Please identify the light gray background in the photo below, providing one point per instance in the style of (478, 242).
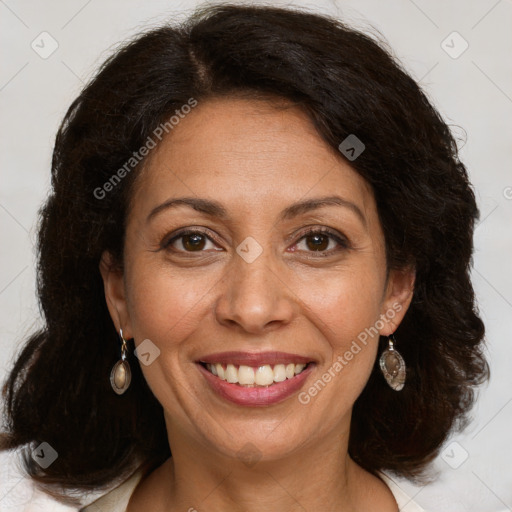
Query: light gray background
(473, 92)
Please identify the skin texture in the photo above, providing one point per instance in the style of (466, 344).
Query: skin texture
(256, 159)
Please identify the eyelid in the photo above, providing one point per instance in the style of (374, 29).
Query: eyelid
(168, 240)
(340, 239)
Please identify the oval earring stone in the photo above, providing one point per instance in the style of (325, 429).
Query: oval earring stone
(392, 365)
(120, 377)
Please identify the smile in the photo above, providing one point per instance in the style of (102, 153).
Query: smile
(248, 376)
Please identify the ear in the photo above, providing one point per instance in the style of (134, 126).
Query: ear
(113, 282)
(397, 298)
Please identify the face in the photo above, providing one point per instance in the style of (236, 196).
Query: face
(251, 243)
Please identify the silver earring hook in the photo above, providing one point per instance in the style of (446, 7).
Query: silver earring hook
(124, 347)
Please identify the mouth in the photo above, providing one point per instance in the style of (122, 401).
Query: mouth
(255, 379)
(261, 376)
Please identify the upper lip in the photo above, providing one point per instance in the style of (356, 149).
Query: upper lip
(254, 358)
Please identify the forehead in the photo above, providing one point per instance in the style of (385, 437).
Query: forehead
(267, 153)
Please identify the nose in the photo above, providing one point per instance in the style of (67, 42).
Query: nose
(254, 297)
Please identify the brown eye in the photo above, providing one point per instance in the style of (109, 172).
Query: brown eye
(189, 241)
(322, 241)
(317, 242)
(193, 242)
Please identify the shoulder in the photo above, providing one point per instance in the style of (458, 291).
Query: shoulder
(404, 501)
(117, 499)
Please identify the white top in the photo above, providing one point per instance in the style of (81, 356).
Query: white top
(117, 499)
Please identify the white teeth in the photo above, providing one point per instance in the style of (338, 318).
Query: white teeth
(299, 368)
(220, 370)
(279, 373)
(231, 374)
(264, 375)
(245, 375)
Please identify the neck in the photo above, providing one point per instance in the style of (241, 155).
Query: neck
(304, 481)
(320, 476)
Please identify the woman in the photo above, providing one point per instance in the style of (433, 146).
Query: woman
(254, 271)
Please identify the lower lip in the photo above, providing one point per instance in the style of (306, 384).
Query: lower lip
(256, 396)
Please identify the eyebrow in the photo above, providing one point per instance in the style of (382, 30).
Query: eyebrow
(215, 209)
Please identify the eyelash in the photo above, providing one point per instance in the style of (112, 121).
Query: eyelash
(341, 241)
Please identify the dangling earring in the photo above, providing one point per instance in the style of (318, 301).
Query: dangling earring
(121, 375)
(392, 365)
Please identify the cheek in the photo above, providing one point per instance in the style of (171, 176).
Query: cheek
(166, 307)
(339, 382)
(345, 306)
(343, 303)
(163, 302)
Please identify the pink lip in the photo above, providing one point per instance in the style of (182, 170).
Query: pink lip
(254, 359)
(256, 396)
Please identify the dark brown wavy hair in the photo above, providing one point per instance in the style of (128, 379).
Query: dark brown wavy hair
(58, 390)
